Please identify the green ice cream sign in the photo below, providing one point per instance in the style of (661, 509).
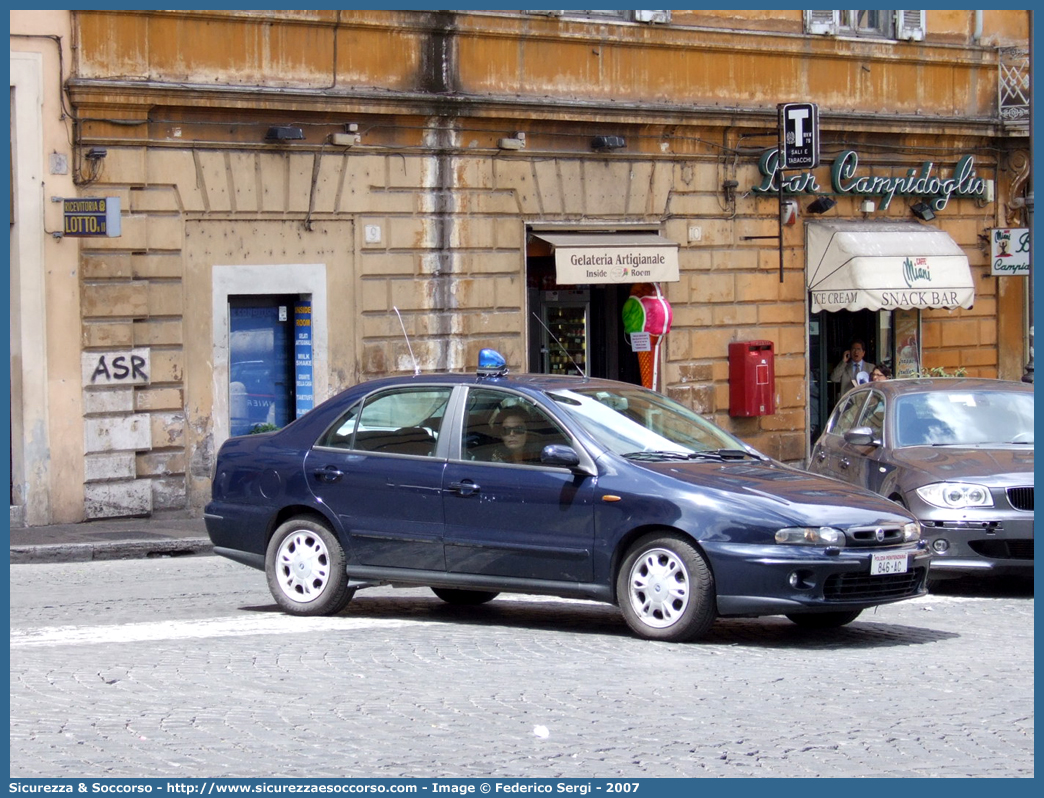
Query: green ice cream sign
(845, 180)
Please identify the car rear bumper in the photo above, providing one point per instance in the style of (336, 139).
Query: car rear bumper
(776, 580)
(234, 528)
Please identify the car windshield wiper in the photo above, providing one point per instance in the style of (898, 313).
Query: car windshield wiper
(704, 454)
(736, 454)
(655, 455)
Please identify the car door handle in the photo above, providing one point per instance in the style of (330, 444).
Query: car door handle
(464, 488)
(845, 462)
(328, 474)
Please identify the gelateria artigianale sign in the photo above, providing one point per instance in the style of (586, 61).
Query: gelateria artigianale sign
(845, 180)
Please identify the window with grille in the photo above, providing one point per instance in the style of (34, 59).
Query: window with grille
(612, 14)
(868, 23)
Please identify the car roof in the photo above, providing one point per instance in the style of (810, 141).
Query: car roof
(537, 382)
(900, 387)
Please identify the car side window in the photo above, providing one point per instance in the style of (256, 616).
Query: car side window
(398, 421)
(501, 427)
(339, 434)
(845, 416)
(872, 415)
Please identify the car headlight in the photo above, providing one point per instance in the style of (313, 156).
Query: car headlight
(956, 495)
(811, 536)
(911, 532)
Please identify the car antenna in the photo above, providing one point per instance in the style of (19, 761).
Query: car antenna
(416, 368)
(560, 346)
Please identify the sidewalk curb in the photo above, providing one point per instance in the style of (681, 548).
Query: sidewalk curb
(125, 550)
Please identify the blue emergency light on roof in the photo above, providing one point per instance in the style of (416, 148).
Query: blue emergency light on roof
(491, 363)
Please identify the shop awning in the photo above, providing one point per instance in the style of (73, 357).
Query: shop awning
(592, 258)
(885, 266)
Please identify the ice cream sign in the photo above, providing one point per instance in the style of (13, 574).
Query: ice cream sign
(1010, 251)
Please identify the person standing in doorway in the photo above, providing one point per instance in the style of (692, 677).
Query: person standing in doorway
(853, 369)
(880, 374)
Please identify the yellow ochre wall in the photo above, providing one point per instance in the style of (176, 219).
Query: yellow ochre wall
(181, 100)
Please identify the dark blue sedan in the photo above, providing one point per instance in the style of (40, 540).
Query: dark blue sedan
(478, 484)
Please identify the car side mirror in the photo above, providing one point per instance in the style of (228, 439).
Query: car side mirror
(861, 436)
(558, 455)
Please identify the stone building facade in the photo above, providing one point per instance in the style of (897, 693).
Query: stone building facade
(362, 173)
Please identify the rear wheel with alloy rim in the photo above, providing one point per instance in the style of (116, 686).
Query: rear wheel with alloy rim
(453, 595)
(305, 565)
(665, 589)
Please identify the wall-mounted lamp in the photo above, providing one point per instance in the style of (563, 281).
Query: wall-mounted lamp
(516, 143)
(821, 205)
(349, 138)
(604, 143)
(922, 210)
(284, 133)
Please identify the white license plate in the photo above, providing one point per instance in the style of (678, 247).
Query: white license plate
(893, 563)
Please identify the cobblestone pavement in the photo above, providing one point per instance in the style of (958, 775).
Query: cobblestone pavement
(183, 668)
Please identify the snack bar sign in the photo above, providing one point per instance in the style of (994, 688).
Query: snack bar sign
(89, 217)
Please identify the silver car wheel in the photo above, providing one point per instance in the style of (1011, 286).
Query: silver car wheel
(658, 588)
(303, 566)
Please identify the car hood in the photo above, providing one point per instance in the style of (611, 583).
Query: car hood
(796, 497)
(1002, 466)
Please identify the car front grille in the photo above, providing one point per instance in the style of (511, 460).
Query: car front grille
(1021, 499)
(874, 536)
(860, 587)
(1003, 549)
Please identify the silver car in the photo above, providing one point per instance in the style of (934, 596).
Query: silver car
(956, 452)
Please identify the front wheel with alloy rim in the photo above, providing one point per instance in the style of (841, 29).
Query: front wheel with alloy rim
(665, 589)
(305, 565)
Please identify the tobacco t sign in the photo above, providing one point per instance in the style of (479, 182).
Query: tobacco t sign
(799, 135)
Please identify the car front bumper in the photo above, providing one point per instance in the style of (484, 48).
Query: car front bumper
(777, 579)
(987, 541)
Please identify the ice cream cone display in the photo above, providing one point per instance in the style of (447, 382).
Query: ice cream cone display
(647, 364)
(647, 314)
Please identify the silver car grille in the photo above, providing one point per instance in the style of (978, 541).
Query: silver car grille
(1021, 498)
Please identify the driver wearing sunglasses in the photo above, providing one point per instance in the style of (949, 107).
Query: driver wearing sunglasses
(513, 429)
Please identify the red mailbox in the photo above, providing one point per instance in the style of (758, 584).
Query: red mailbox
(752, 378)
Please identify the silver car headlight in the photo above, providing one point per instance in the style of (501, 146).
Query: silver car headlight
(911, 532)
(956, 495)
(811, 536)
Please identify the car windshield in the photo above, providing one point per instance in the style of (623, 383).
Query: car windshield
(638, 423)
(964, 418)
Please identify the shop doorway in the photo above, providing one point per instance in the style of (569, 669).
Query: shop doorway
(830, 334)
(577, 329)
(262, 385)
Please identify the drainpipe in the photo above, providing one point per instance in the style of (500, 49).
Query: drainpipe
(977, 33)
(1028, 376)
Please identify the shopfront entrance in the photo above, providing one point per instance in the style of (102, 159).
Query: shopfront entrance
(270, 361)
(869, 282)
(577, 284)
(576, 329)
